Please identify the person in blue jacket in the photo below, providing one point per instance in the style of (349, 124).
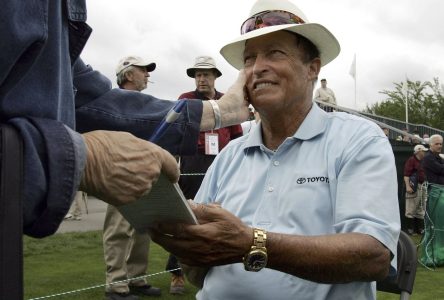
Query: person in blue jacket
(45, 89)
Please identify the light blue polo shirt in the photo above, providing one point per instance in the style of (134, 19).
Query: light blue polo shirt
(336, 174)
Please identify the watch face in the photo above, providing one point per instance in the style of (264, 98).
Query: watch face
(256, 260)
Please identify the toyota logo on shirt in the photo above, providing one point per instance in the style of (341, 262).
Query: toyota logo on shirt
(314, 179)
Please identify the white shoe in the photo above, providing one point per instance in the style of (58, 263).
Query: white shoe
(69, 217)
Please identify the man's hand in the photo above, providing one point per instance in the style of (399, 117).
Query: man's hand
(233, 106)
(221, 238)
(121, 167)
(409, 189)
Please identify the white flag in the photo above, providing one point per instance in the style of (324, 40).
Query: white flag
(352, 71)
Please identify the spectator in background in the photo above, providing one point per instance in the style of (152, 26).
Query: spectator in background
(210, 143)
(126, 250)
(386, 131)
(426, 138)
(416, 193)
(326, 95)
(416, 139)
(433, 163)
(405, 136)
(75, 212)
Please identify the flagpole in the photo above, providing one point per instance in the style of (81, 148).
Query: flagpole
(407, 109)
(352, 72)
(405, 90)
(356, 108)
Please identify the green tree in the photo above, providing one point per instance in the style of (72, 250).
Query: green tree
(425, 103)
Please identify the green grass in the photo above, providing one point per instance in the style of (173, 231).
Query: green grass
(72, 261)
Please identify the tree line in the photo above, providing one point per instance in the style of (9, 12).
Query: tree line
(425, 103)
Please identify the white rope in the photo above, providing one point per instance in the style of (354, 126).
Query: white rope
(193, 174)
(103, 285)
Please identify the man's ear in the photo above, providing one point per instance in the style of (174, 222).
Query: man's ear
(314, 68)
(129, 76)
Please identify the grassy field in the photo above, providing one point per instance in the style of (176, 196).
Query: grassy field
(74, 262)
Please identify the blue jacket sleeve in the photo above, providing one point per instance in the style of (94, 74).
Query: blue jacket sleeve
(54, 158)
(98, 106)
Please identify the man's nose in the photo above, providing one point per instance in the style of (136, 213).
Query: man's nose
(260, 64)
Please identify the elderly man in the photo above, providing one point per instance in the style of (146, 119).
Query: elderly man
(433, 163)
(126, 250)
(305, 206)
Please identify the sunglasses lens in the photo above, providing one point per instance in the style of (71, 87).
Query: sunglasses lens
(249, 25)
(269, 18)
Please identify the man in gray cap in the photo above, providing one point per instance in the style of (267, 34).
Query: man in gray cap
(125, 249)
(133, 73)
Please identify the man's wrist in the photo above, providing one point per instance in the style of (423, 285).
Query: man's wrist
(217, 114)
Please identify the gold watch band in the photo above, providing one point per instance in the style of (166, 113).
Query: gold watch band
(260, 238)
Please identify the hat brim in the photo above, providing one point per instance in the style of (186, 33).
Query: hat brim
(192, 71)
(149, 66)
(323, 39)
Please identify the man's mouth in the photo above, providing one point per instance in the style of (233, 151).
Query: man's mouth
(262, 85)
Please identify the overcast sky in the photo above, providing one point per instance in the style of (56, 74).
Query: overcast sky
(392, 40)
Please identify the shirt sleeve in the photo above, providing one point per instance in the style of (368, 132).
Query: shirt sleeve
(368, 166)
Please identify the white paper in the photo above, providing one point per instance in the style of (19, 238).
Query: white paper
(165, 203)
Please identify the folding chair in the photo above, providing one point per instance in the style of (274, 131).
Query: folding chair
(402, 282)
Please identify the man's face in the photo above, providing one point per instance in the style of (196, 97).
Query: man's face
(277, 78)
(436, 145)
(324, 83)
(420, 154)
(139, 77)
(205, 80)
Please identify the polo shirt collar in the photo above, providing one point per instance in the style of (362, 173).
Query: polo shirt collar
(314, 124)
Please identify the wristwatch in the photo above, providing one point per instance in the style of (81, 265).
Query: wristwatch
(256, 259)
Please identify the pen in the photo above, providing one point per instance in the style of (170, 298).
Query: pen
(171, 116)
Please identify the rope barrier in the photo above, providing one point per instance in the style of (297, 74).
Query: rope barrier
(117, 282)
(102, 285)
(193, 174)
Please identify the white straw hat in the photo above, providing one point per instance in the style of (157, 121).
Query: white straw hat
(323, 39)
(203, 62)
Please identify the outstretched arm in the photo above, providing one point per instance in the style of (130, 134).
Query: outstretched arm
(222, 239)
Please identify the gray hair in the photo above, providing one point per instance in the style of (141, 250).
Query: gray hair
(434, 137)
(121, 77)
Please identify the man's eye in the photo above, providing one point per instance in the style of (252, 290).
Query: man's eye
(276, 52)
(248, 60)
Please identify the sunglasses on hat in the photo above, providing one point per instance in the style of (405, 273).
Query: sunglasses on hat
(269, 18)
